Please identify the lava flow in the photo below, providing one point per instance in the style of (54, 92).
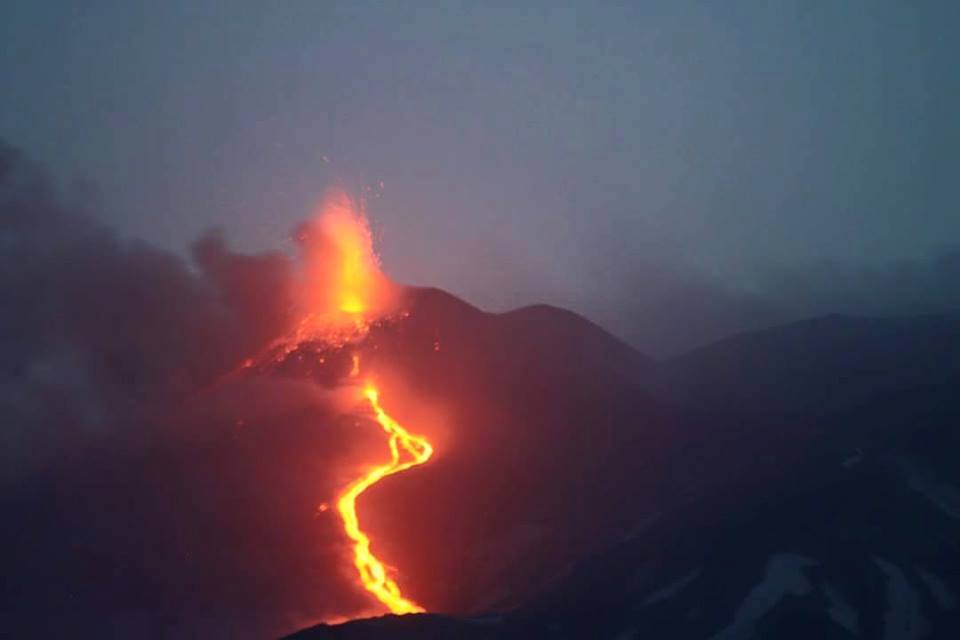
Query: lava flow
(344, 291)
(372, 572)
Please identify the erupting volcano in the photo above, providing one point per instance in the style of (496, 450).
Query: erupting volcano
(556, 481)
(344, 291)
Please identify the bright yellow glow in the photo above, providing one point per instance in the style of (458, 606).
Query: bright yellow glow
(343, 289)
(406, 450)
(344, 292)
(343, 268)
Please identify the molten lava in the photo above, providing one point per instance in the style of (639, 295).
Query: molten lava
(344, 290)
(373, 574)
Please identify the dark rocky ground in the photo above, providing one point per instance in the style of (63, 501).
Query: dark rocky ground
(805, 485)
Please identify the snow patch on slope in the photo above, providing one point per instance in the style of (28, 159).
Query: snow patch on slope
(671, 589)
(945, 598)
(840, 610)
(903, 619)
(944, 496)
(784, 577)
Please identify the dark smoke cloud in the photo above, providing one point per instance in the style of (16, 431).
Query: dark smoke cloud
(95, 328)
(142, 495)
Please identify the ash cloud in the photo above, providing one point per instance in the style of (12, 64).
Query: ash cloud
(143, 496)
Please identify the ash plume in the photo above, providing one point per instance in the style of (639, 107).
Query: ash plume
(146, 496)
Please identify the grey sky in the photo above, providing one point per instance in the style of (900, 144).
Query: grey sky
(558, 153)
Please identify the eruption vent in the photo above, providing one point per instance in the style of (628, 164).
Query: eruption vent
(343, 289)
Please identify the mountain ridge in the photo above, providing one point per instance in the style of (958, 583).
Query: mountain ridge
(773, 518)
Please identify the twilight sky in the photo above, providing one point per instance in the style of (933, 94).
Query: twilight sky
(676, 171)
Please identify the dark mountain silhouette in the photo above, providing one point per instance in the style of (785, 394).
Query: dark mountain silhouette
(795, 482)
(819, 364)
(203, 515)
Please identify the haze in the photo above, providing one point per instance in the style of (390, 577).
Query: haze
(676, 171)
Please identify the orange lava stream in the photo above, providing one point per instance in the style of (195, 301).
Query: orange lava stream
(418, 450)
(343, 291)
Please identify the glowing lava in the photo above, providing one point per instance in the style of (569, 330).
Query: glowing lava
(343, 286)
(406, 450)
(344, 291)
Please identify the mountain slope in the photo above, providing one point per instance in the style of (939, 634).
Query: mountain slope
(211, 528)
(823, 363)
(522, 409)
(805, 485)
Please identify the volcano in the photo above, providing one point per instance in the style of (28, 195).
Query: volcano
(793, 482)
(262, 444)
(284, 441)
(482, 392)
(515, 493)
